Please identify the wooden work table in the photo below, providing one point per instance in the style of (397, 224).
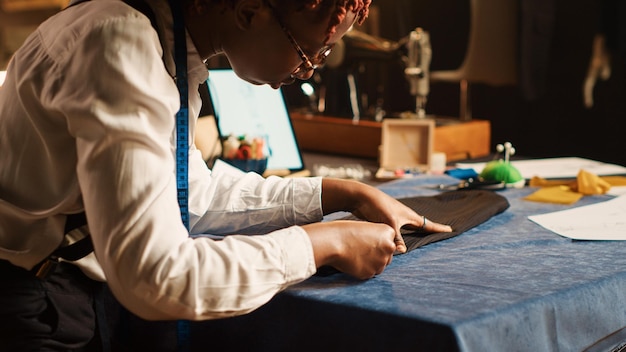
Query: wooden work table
(457, 139)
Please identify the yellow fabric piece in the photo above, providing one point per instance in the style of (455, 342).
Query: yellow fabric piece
(615, 180)
(555, 194)
(537, 181)
(589, 184)
(570, 191)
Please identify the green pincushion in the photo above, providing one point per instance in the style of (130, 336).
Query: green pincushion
(499, 170)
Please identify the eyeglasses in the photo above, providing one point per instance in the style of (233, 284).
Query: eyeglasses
(308, 63)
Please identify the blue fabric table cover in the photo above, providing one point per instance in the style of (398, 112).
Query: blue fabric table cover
(506, 285)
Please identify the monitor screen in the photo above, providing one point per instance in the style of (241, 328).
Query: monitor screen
(241, 108)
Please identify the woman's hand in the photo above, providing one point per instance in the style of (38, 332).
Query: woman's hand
(371, 204)
(358, 248)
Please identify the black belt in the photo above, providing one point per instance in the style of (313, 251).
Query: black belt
(72, 252)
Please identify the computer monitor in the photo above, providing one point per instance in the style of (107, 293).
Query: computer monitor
(241, 108)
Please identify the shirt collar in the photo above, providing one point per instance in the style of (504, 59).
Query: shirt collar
(197, 71)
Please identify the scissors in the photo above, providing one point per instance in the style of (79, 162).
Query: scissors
(473, 183)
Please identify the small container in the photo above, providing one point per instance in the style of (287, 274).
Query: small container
(438, 163)
(249, 165)
(406, 147)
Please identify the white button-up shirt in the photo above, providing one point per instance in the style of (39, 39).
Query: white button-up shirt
(87, 122)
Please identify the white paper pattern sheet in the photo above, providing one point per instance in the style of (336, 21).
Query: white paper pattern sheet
(556, 167)
(601, 221)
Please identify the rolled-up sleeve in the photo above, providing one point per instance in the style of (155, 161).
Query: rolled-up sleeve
(250, 204)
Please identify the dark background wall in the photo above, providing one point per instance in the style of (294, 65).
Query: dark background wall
(556, 123)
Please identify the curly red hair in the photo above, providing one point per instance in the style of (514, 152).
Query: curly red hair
(337, 8)
(361, 7)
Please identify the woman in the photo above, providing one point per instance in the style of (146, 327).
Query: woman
(87, 124)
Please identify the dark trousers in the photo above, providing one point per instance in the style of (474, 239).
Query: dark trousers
(70, 312)
(55, 314)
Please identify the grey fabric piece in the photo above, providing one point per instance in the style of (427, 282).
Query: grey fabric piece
(462, 210)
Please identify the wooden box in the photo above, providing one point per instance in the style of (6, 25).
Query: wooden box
(459, 140)
(406, 147)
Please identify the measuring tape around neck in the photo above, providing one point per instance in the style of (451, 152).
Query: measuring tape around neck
(182, 142)
(182, 116)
